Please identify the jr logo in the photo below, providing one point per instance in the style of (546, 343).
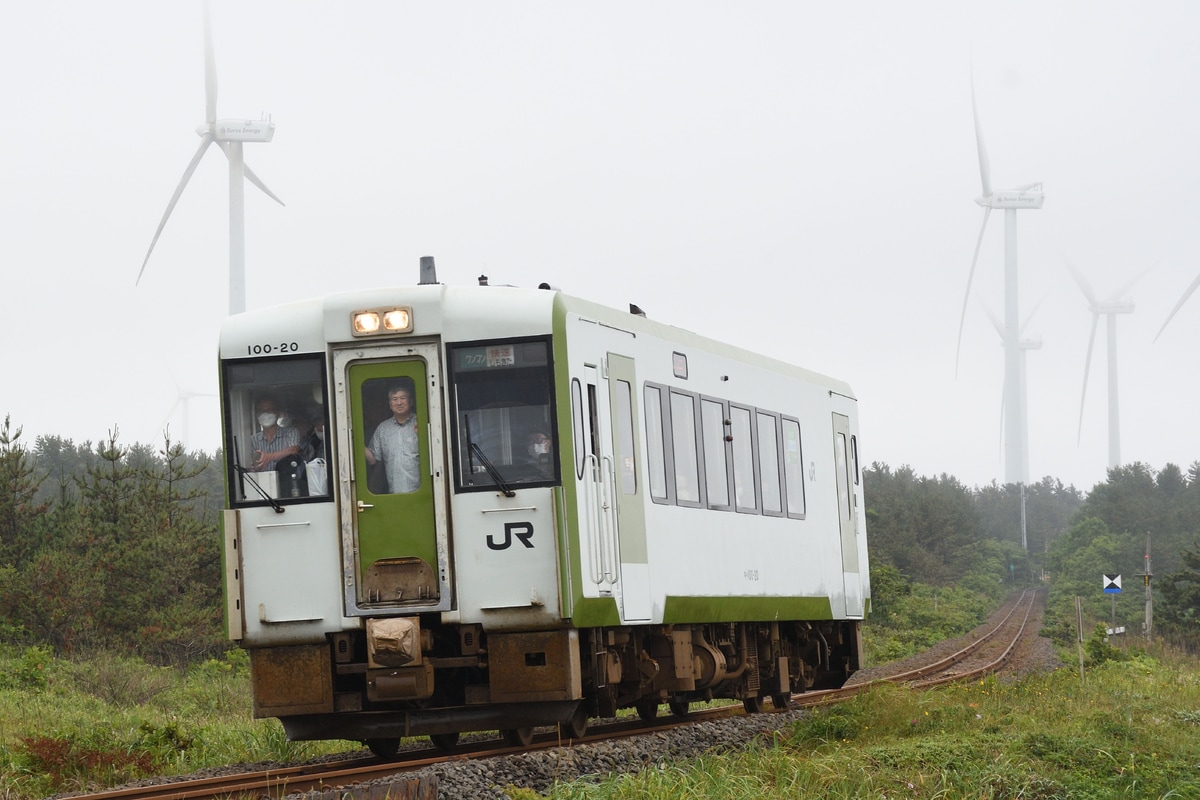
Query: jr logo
(522, 530)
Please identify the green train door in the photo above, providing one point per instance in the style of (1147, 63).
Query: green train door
(397, 558)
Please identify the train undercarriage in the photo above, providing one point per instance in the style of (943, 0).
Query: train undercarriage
(411, 676)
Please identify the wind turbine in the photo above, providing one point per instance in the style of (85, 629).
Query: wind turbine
(1110, 308)
(229, 135)
(1030, 196)
(182, 404)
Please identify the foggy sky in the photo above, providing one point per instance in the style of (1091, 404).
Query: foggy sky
(796, 178)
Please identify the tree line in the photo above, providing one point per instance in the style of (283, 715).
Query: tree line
(110, 547)
(116, 547)
(936, 530)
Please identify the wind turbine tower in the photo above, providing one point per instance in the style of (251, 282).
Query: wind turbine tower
(229, 135)
(1110, 308)
(1025, 345)
(1030, 196)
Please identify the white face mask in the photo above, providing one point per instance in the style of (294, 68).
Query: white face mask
(267, 419)
(320, 432)
(539, 449)
(285, 422)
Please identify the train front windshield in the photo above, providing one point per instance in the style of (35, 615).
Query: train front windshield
(503, 414)
(275, 429)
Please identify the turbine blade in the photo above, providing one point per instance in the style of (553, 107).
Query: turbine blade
(205, 141)
(1087, 367)
(210, 70)
(1032, 311)
(1178, 306)
(250, 176)
(1081, 281)
(162, 426)
(962, 318)
(985, 165)
(1129, 285)
(996, 323)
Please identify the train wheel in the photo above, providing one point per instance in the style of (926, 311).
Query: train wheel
(444, 741)
(753, 705)
(384, 748)
(647, 710)
(679, 707)
(518, 737)
(781, 701)
(576, 727)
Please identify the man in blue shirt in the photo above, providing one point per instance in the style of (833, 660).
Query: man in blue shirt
(396, 444)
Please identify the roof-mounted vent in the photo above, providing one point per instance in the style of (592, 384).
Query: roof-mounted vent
(428, 271)
(634, 309)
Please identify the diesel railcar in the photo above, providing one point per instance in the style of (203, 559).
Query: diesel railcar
(467, 508)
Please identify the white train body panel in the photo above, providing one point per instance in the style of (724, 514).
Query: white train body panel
(698, 496)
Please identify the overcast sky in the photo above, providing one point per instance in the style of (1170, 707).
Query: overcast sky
(793, 177)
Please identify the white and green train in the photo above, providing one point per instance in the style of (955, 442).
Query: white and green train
(575, 510)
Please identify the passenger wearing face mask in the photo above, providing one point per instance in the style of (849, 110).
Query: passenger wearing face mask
(272, 441)
(538, 449)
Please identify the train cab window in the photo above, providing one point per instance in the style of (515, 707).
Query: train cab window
(741, 428)
(768, 464)
(276, 424)
(793, 468)
(504, 414)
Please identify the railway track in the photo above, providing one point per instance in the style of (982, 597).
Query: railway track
(987, 652)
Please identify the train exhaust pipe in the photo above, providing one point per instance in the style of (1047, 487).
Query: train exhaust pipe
(428, 271)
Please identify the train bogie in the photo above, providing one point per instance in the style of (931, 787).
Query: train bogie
(497, 509)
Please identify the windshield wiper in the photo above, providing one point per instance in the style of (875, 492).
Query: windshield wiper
(474, 451)
(246, 474)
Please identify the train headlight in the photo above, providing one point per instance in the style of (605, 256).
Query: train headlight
(366, 322)
(398, 320)
(382, 320)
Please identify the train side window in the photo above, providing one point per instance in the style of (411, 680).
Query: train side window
(843, 483)
(716, 453)
(768, 464)
(627, 468)
(656, 464)
(683, 447)
(854, 457)
(577, 427)
(741, 425)
(793, 468)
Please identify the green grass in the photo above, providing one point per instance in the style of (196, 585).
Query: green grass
(68, 726)
(1132, 730)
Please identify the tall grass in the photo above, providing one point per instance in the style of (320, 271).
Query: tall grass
(1132, 729)
(74, 725)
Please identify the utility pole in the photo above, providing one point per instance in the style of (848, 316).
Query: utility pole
(1024, 536)
(1148, 625)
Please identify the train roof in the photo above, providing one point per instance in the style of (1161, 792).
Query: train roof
(470, 312)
